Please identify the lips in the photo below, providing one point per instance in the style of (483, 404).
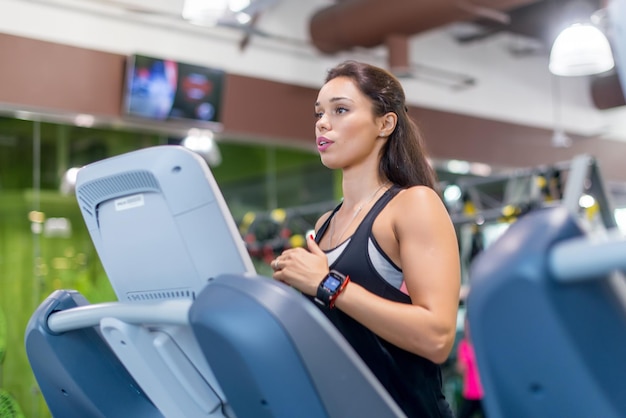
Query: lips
(323, 143)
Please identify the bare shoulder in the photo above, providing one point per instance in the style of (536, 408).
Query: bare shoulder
(418, 207)
(414, 220)
(417, 198)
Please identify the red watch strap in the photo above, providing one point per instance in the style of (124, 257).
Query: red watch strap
(333, 298)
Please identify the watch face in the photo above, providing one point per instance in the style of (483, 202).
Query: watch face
(331, 283)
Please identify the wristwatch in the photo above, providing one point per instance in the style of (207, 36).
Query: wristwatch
(330, 288)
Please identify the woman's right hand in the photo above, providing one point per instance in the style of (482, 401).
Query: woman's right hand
(302, 268)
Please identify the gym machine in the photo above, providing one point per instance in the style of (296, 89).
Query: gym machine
(195, 331)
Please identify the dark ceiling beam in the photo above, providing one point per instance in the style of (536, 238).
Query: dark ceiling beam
(368, 23)
(606, 91)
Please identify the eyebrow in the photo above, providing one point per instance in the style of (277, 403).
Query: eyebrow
(336, 99)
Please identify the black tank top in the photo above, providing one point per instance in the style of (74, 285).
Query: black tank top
(414, 382)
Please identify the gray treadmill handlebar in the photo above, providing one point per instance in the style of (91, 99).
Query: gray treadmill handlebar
(170, 312)
(587, 258)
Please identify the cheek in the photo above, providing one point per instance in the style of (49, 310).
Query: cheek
(363, 132)
(353, 128)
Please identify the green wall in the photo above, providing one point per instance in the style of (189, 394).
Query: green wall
(35, 261)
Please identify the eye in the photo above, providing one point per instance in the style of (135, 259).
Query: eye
(318, 115)
(340, 110)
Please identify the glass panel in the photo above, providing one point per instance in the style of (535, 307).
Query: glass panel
(44, 244)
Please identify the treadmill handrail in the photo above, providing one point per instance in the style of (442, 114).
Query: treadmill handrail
(169, 312)
(588, 258)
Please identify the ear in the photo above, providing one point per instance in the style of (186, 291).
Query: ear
(387, 123)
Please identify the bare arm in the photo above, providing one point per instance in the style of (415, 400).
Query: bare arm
(428, 251)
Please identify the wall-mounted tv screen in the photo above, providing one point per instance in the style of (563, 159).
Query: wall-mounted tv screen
(163, 89)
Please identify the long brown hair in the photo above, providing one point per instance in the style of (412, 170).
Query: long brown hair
(403, 159)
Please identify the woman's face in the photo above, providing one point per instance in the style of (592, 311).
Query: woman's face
(346, 130)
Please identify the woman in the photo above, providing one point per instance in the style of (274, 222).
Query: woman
(391, 235)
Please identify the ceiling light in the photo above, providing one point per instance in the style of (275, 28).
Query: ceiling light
(458, 167)
(68, 182)
(480, 169)
(452, 193)
(238, 5)
(84, 120)
(215, 12)
(204, 12)
(202, 142)
(581, 49)
(560, 139)
(586, 201)
(243, 18)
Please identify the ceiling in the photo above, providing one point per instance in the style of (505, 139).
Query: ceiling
(368, 23)
(346, 25)
(485, 58)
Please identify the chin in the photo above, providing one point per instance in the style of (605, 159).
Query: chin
(328, 163)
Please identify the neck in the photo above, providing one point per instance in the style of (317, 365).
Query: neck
(359, 191)
(356, 199)
(360, 180)
(355, 210)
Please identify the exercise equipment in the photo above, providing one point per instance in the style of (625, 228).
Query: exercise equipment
(492, 204)
(506, 197)
(195, 331)
(548, 303)
(547, 307)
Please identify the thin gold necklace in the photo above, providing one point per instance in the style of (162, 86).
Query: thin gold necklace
(356, 213)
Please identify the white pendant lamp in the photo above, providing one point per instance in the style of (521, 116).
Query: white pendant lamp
(581, 49)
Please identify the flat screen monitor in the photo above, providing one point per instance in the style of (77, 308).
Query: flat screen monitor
(159, 223)
(163, 89)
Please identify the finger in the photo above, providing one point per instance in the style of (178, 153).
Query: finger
(313, 247)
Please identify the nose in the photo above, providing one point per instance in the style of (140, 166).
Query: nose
(322, 124)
